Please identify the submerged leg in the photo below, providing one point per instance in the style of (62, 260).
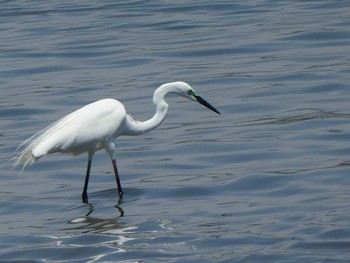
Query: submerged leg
(116, 174)
(87, 176)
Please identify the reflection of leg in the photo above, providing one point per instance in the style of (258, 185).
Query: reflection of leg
(91, 209)
(120, 201)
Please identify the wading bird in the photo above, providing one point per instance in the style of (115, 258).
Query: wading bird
(96, 126)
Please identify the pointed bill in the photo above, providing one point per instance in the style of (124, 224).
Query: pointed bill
(206, 104)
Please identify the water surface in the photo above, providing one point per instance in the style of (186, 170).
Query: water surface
(267, 181)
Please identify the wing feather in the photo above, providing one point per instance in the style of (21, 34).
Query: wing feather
(80, 131)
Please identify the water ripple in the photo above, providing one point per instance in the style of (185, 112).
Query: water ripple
(267, 181)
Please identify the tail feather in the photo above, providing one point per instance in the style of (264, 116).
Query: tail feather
(24, 153)
(27, 152)
(24, 157)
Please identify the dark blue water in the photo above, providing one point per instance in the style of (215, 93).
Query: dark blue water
(267, 181)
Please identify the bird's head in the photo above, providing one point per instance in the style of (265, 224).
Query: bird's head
(185, 90)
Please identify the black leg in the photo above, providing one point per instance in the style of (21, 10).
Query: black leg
(84, 195)
(120, 190)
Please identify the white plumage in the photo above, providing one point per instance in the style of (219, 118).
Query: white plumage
(84, 130)
(96, 126)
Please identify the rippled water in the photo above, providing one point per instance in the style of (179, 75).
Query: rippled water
(267, 181)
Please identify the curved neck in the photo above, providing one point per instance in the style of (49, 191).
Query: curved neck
(134, 127)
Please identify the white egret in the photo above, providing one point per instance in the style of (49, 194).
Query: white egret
(96, 126)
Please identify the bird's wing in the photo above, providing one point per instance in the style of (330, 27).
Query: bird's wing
(77, 132)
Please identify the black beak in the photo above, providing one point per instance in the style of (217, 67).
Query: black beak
(206, 104)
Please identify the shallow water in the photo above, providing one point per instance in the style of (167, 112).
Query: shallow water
(267, 181)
